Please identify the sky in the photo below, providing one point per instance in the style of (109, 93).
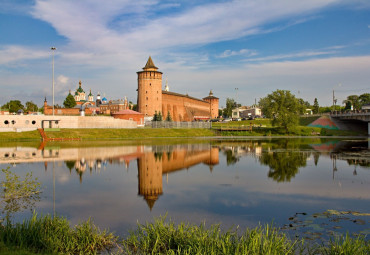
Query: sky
(241, 49)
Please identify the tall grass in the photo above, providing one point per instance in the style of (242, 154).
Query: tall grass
(54, 235)
(48, 235)
(163, 237)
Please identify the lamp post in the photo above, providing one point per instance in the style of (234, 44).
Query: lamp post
(236, 102)
(53, 50)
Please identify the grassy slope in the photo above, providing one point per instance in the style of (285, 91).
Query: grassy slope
(261, 127)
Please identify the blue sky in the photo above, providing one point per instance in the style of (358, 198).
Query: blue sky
(257, 46)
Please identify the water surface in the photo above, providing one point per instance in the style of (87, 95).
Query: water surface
(240, 182)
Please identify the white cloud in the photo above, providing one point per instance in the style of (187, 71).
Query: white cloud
(87, 23)
(243, 52)
(303, 54)
(13, 53)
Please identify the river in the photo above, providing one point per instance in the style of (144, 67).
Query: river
(314, 188)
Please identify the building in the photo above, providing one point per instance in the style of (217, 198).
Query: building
(246, 112)
(130, 115)
(113, 106)
(151, 99)
(80, 96)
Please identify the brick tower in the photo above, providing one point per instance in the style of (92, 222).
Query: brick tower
(149, 91)
(213, 104)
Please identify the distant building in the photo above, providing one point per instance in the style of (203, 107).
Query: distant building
(80, 96)
(246, 112)
(114, 106)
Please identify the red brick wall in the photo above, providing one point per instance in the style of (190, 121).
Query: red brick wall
(183, 108)
(139, 118)
(65, 111)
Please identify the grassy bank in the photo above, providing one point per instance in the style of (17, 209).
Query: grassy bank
(47, 235)
(260, 127)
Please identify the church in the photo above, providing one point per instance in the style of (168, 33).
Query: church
(151, 99)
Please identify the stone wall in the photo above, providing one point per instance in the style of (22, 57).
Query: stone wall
(18, 123)
(182, 107)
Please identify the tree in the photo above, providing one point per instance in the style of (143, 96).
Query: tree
(69, 102)
(157, 116)
(364, 99)
(283, 108)
(168, 118)
(352, 103)
(230, 105)
(160, 116)
(31, 107)
(316, 107)
(13, 106)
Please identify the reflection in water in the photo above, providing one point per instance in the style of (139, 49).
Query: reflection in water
(152, 165)
(91, 180)
(284, 165)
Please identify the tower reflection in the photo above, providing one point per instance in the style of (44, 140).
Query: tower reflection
(152, 165)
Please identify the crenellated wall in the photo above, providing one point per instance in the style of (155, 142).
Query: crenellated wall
(183, 108)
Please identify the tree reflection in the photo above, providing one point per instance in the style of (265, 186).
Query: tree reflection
(284, 165)
(231, 158)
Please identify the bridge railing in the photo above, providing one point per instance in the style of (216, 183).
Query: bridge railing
(351, 113)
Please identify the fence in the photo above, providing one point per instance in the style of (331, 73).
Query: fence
(173, 124)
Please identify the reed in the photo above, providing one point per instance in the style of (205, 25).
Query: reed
(163, 237)
(54, 235)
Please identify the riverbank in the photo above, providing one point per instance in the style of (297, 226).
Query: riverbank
(45, 235)
(142, 133)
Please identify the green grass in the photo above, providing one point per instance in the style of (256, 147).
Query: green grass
(54, 235)
(48, 235)
(162, 237)
(20, 136)
(261, 127)
(89, 134)
(304, 121)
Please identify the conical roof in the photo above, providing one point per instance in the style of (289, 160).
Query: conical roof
(150, 64)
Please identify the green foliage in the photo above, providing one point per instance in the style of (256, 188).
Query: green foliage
(325, 109)
(303, 105)
(168, 118)
(31, 107)
(17, 194)
(316, 107)
(13, 106)
(69, 102)
(364, 99)
(283, 108)
(163, 237)
(157, 116)
(54, 235)
(230, 105)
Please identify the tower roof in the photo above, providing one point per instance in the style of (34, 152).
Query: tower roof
(150, 64)
(80, 88)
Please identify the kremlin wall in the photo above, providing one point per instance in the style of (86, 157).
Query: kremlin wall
(151, 99)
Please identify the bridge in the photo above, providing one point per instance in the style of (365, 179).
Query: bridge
(353, 116)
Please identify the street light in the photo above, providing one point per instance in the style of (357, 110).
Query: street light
(236, 101)
(53, 49)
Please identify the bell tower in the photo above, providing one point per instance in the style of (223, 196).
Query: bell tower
(149, 91)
